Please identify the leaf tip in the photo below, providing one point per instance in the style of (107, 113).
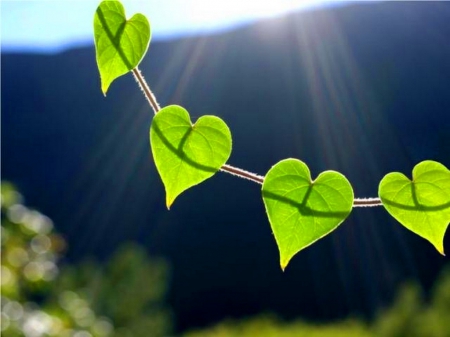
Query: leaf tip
(283, 264)
(169, 202)
(439, 246)
(105, 89)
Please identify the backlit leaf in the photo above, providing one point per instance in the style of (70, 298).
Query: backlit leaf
(423, 204)
(187, 154)
(300, 210)
(120, 44)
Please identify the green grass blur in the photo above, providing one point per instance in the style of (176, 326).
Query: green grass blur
(409, 316)
(271, 326)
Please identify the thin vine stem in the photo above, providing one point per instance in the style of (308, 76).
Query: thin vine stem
(357, 202)
(242, 173)
(146, 90)
(367, 202)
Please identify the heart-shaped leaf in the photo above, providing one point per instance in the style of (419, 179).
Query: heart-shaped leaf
(300, 210)
(186, 154)
(421, 205)
(120, 44)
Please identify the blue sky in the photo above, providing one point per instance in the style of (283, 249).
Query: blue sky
(53, 25)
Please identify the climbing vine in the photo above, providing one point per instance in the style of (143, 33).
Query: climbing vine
(300, 209)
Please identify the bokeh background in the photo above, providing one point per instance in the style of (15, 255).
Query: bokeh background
(88, 247)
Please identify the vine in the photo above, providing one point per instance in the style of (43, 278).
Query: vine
(301, 210)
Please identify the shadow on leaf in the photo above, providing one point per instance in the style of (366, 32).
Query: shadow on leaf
(417, 204)
(302, 206)
(179, 152)
(115, 39)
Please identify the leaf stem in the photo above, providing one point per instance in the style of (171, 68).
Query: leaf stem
(357, 202)
(367, 202)
(242, 173)
(146, 90)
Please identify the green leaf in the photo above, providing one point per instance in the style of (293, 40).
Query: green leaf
(421, 205)
(120, 44)
(300, 210)
(186, 154)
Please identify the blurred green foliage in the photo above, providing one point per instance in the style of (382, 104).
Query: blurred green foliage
(125, 297)
(271, 326)
(409, 316)
(129, 289)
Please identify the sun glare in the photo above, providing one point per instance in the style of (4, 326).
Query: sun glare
(216, 12)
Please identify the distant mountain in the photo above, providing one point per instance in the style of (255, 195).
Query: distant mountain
(362, 89)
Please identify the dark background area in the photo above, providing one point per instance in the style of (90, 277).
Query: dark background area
(362, 89)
